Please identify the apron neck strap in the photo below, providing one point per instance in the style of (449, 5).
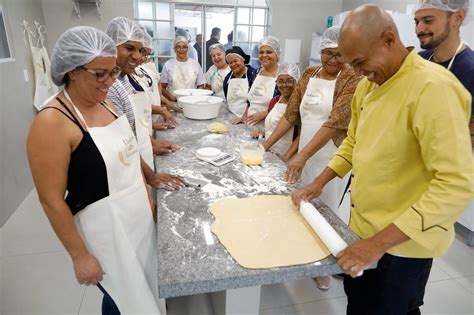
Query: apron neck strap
(454, 56)
(66, 94)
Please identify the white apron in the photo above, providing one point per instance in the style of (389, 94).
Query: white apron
(44, 87)
(260, 95)
(183, 76)
(155, 78)
(271, 121)
(153, 95)
(237, 95)
(119, 229)
(315, 109)
(216, 78)
(141, 107)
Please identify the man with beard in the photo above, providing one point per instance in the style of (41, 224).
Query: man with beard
(437, 27)
(408, 148)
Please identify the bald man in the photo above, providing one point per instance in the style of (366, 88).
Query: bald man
(409, 149)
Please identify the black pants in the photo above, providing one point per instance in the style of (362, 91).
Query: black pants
(108, 305)
(395, 287)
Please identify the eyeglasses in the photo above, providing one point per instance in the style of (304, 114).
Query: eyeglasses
(101, 75)
(181, 47)
(285, 82)
(329, 55)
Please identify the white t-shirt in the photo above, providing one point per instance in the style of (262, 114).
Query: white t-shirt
(168, 70)
(215, 78)
(192, 52)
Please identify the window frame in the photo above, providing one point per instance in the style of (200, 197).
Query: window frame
(204, 5)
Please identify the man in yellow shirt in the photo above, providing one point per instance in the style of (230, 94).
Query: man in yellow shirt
(408, 146)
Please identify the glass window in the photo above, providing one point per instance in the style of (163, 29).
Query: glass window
(163, 30)
(258, 16)
(242, 33)
(148, 25)
(243, 15)
(4, 48)
(162, 11)
(257, 33)
(163, 47)
(145, 9)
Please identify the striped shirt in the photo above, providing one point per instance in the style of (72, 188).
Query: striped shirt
(118, 94)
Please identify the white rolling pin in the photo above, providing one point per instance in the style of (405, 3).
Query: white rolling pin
(323, 229)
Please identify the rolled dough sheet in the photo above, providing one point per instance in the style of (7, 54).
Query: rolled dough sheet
(265, 232)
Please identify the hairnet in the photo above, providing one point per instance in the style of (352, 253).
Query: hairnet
(271, 41)
(445, 5)
(148, 40)
(289, 68)
(329, 38)
(180, 39)
(122, 30)
(217, 46)
(183, 33)
(77, 47)
(239, 52)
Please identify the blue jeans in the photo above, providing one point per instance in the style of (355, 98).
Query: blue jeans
(108, 305)
(395, 287)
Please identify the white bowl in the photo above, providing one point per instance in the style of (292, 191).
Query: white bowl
(251, 153)
(188, 92)
(200, 107)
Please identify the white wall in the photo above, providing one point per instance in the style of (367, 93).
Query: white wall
(59, 15)
(16, 108)
(298, 19)
(393, 5)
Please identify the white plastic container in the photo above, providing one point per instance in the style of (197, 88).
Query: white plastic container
(187, 92)
(251, 153)
(200, 107)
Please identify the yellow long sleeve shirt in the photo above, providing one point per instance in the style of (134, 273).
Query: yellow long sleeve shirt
(409, 147)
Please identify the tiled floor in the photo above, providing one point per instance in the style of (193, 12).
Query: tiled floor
(36, 277)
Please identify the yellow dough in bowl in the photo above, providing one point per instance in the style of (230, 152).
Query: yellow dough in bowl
(217, 127)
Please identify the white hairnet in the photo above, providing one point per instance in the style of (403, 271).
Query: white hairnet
(329, 38)
(148, 40)
(77, 47)
(289, 68)
(122, 30)
(273, 42)
(183, 33)
(217, 46)
(445, 5)
(180, 39)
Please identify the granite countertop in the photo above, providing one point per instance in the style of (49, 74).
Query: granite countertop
(191, 259)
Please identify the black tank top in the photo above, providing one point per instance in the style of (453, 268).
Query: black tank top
(87, 173)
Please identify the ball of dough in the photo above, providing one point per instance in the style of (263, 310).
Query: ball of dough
(217, 127)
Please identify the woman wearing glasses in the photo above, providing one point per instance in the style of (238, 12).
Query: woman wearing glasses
(321, 104)
(181, 72)
(78, 144)
(286, 147)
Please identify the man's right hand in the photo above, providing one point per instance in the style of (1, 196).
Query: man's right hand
(87, 269)
(306, 194)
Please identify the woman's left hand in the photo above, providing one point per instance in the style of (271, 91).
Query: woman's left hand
(256, 118)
